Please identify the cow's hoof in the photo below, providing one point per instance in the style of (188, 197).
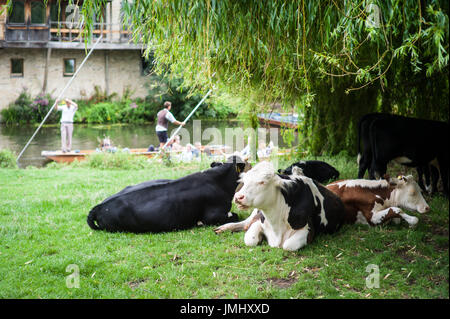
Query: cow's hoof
(413, 222)
(219, 230)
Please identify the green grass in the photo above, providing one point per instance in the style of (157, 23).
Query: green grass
(43, 230)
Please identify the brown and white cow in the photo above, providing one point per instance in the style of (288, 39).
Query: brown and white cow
(374, 202)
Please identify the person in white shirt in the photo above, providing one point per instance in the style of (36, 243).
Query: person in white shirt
(68, 109)
(163, 118)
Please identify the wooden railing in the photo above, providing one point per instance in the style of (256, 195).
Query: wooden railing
(67, 32)
(113, 33)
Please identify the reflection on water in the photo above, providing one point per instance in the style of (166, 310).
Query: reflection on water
(122, 135)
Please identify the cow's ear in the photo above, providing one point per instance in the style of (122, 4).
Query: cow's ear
(399, 181)
(280, 171)
(214, 164)
(386, 177)
(240, 167)
(409, 178)
(296, 170)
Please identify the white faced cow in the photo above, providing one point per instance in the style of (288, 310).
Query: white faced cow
(292, 209)
(375, 202)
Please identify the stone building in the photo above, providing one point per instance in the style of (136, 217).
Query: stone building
(41, 47)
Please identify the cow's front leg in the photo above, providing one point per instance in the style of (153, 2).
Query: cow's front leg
(384, 215)
(240, 226)
(218, 215)
(297, 240)
(254, 234)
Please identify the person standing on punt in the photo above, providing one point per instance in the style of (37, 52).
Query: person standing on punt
(68, 109)
(163, 118)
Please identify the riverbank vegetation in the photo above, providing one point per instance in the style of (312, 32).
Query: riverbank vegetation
(329, 61)
(101, 108)
(44, 235)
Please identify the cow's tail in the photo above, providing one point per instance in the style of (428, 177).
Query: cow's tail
(92, 218)
(373, 141)
(359, 139)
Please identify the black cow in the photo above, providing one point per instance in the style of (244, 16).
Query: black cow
(365, 157)
(317, 170)
(166, 205)
(431, 174)
(412, 142)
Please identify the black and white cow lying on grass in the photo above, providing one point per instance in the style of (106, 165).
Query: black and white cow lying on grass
(291, 210)
(165, 205)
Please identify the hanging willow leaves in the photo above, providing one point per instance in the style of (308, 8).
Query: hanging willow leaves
(331, 60)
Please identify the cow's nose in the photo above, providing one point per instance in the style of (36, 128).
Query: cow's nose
(424, 209)
(239, 197)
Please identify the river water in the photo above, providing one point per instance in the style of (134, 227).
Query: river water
(124, 135)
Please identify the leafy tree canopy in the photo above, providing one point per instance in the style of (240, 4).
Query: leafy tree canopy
(333, 60)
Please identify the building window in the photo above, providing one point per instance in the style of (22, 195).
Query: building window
(17, 67)
(37, 12)
(17, 13)
(69, 67)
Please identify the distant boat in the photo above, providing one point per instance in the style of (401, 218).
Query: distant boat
(289, 120)
(69, 157)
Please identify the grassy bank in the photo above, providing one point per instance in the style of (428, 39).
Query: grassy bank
(43, 230)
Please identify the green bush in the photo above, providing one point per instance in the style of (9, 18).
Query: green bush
(10, 115)
(7, 159)
(100, 96)
(105, 112)
(100, 107)
(26, 109)
(220, 110)
(138, 111)
(183, 102)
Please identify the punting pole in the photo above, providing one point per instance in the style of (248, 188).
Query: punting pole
(57, 99)
(188, 117)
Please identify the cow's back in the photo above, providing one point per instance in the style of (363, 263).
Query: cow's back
(306, 206)
(147, 208)
(419, 140)
(165, 205)
(358, 198)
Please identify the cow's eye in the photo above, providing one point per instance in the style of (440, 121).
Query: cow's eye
(261, 183)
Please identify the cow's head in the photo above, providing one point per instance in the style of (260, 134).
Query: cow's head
(408, 194)
(241, 165)
(289, 169)
(259, 187)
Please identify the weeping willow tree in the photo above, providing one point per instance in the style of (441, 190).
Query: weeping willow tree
(331, 61)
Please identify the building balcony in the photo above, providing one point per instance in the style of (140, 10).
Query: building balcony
(67, 35)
